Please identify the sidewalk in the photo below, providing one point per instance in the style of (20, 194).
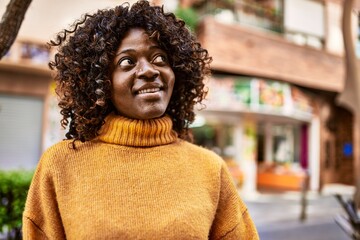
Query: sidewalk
(277, 215)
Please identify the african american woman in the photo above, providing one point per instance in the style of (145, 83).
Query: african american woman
(128, 80)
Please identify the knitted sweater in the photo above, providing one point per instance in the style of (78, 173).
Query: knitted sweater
(137, 180)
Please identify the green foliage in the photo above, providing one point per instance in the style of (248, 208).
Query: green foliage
(14, 186)
(189, 16)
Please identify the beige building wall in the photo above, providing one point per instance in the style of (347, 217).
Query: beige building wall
(45, 18)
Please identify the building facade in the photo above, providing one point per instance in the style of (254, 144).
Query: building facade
(25, 82)
(278, 67)
(271, 111)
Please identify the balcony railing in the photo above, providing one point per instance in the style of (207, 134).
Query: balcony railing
(258, 15)
(267, 15)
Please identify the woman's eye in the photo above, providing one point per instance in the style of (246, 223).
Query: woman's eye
(125, 62)
(160, 59)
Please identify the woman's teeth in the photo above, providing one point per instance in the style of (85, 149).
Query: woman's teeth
(149, 90)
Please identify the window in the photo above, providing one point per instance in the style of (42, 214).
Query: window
(304, 22)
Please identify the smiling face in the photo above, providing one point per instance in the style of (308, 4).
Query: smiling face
(142, 81)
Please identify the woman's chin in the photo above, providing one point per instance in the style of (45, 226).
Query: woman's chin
(145, 114)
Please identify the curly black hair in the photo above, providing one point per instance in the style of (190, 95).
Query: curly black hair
(84, 66)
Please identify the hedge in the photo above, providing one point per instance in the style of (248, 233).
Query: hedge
(14, 186)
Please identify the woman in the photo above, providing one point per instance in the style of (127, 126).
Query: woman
(128, 80)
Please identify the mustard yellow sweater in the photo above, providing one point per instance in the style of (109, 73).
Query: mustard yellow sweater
(137, 180)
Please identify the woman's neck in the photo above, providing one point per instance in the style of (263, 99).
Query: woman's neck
(137, 133)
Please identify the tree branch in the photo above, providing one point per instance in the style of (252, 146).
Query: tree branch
(11, 22)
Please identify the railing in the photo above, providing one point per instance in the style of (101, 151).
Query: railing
(28, 55)
(247, 12)
(29, 52)
(256, 14)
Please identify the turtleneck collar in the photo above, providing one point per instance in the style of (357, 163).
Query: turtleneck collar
(137, 133)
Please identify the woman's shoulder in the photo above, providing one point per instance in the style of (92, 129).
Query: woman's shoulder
(68, 146)
(199, 149)
(62, 147)
(61, 151)
(202, 154)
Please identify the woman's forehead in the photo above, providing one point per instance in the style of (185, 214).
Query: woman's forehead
(135, 38)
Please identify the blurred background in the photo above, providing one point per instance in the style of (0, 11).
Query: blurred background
(282, 108)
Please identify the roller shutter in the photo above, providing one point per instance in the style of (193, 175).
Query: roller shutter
(20, 131)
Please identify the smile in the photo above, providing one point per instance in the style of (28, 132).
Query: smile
(149, 90)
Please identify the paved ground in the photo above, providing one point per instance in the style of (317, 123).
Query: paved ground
(277, 216)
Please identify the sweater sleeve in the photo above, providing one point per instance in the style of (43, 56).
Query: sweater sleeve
(232, 219)
(31, 231)
(41, 217)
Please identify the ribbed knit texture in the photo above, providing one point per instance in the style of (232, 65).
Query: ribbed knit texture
(135, 181)
(138, 133)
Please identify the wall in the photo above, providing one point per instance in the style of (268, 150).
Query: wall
(336, 159)
(45, 18)
(240, 50)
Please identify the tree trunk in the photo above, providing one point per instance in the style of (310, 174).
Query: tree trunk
(356, 135)
(11, 22)
(351, 94)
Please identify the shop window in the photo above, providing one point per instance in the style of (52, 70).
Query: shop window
(283, 144)
(279, 144)
(279, 157)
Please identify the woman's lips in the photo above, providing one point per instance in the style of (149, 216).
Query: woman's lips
(148, 90)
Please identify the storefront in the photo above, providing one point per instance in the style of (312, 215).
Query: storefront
(264, 129)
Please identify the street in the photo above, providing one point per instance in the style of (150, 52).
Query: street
(277, 216)
(329, 231)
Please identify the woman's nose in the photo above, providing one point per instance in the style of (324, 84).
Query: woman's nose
(147, 70)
